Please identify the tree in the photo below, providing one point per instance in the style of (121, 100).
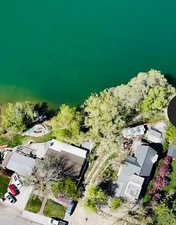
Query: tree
(157, 99)
(66, 187)
(95, 198)
(138, 87)
(17, 116)
(163, 215)
(66, 124)
(48, 171)
(170, 134)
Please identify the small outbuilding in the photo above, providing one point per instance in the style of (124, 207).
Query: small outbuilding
(172, 151)
(154, 136)
(133, 131)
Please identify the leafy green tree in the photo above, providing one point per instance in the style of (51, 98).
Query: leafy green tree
(17, 116)
(157, 99)
(138, 87)
(66, 187)
(66, 124)
(171, 133)
(164, 216)
(95, 198)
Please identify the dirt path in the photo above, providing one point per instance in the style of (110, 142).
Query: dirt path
(95, 171)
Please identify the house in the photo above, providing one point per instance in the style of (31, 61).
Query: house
(18, 163)
(172, 151)
(22, 159)
(133, 131)
(74, 156)
(154, 135)
(134, 171)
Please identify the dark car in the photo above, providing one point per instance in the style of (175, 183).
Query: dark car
(57, 221)
(71, 208)
(10, 197)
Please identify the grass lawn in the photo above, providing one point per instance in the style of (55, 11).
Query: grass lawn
(4, 181)
(34, 204)
(54, 209)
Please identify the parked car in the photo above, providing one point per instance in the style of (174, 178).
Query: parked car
(13, 189)
(71, 208)
(16, 181)
(10, 197)
(57, 221)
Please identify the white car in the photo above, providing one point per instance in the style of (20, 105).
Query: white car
(16, 181)
(57, 221)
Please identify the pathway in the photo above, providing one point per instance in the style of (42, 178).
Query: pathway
(43, 205)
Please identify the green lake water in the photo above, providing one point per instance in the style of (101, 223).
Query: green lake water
(62, 50)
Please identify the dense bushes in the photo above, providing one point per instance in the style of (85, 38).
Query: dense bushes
(161, 180)
(95, 198)
(115, 203)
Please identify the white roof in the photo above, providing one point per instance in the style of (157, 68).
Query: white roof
(154, 136)
(60, 146)
(133, 131)
(134, 187)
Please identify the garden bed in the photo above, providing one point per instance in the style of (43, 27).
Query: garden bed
(53, 209)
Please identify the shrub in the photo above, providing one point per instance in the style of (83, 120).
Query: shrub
(95, 198)
(116, 203)
(161, 180)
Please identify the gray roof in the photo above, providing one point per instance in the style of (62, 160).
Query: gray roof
(20, 164)
(139, 165)
(144, 155)
(172, 151)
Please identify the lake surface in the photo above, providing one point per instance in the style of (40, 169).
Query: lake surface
(62, 50)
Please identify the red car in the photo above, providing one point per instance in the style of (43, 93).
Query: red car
(13, 189)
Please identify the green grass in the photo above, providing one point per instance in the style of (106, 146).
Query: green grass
(4, 181)
(44, 138)
(54, 209)
(34, 204)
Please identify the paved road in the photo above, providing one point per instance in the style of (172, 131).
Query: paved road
(9, 216)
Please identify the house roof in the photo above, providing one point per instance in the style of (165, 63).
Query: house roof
(74, 156)
(134, 187)
(133, 131)
(145, 155)
(133, 171)
(20, 164)
(172, 151)
(38, 149)
(154, 136)
(63, 147)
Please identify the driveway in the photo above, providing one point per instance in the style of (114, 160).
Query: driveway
(22, 198)
(10, 216)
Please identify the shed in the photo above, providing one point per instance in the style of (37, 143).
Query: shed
(172, 151)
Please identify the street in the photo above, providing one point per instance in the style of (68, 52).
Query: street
(9, 216)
